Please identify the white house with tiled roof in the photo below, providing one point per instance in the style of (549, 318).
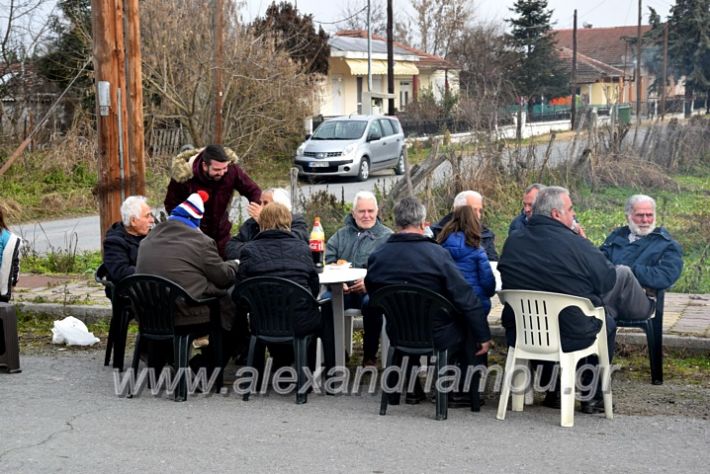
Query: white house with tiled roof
(345, 90)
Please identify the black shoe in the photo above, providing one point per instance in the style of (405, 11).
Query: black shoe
(414, 398)
(459, 400)
(552, 400)
(595, 405)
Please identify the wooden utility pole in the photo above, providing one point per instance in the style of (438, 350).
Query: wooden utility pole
(104, 25)
(390, 61)
(136, 141)
(218, 68)
(665, 70)
(574, 72)
(119, 95)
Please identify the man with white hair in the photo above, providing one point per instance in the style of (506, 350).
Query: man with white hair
(362, 233)
(474, 200)
(651, 253)
(549, 255)
(250, 227)
(122, 238)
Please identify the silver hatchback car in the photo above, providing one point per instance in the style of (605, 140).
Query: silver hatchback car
(352, 146)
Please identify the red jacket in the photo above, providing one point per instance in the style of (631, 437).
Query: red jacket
(187, 177)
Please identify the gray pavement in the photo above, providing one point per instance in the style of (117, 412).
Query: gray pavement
(61, 414)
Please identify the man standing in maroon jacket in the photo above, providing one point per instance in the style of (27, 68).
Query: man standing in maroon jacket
(212, 169)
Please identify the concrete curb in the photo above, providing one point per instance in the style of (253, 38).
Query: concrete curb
(91, 314)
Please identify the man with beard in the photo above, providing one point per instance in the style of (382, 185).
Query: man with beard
(650, 251)
(214, 170)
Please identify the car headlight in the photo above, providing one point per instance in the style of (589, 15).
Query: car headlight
(301, 149)
(349, 149)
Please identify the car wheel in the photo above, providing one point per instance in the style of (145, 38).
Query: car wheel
(364, 171)
(399, 169)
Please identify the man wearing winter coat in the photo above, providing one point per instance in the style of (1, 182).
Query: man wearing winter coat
(124, 237)
(549, 254)
(214, 170)
(178, 250)
(362, 233)
(653, 256)
(251, 227)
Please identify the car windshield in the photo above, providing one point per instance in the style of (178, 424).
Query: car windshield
(340, 130)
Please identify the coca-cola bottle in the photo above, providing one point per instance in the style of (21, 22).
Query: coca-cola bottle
(317, 244)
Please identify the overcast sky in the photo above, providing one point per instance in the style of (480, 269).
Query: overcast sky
(596, 12)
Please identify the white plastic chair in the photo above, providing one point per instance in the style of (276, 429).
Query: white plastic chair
(538, 338)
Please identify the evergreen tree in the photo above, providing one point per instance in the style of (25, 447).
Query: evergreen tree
(538, 71)
(70, 49)
(296, 35)
(689, 44)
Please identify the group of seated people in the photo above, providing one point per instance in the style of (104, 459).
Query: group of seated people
(545, 250)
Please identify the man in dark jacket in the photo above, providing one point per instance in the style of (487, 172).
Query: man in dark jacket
(212, 169)
(122, 239)
(653, 256)
(179, 251)
(475, 201)
(250, 228)
(549, 255)
(528, 200)
(410, 257)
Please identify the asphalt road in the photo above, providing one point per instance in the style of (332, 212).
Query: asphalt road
(82, 233)
(61, 415)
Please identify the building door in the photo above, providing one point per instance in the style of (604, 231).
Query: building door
(337, 96)
(405, 94)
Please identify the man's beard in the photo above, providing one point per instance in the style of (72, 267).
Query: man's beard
(636, 229)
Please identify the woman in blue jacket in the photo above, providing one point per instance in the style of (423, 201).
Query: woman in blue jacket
(461, 236)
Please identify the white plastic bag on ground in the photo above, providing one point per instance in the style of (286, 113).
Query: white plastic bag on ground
(73, 332)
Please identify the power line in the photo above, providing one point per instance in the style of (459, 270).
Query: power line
(343, 20)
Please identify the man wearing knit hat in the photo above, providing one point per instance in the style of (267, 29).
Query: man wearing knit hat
(212, 169)
(178, 250)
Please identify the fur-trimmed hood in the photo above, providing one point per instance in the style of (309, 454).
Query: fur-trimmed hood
(183, 164)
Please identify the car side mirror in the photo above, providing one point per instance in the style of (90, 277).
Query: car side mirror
(373, 136)
(308, 135)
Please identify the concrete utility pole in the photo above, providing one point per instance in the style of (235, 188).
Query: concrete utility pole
(390, 61)
(121, 163)
(574, 71)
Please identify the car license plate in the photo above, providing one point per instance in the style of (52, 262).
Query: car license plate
(320, 164)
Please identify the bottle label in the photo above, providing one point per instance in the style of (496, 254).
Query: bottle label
(316, 245)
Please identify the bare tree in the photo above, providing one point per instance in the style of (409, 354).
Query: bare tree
(485, 72)
(23, 25)
(440, 22)
(354, 14)
(266, 93)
